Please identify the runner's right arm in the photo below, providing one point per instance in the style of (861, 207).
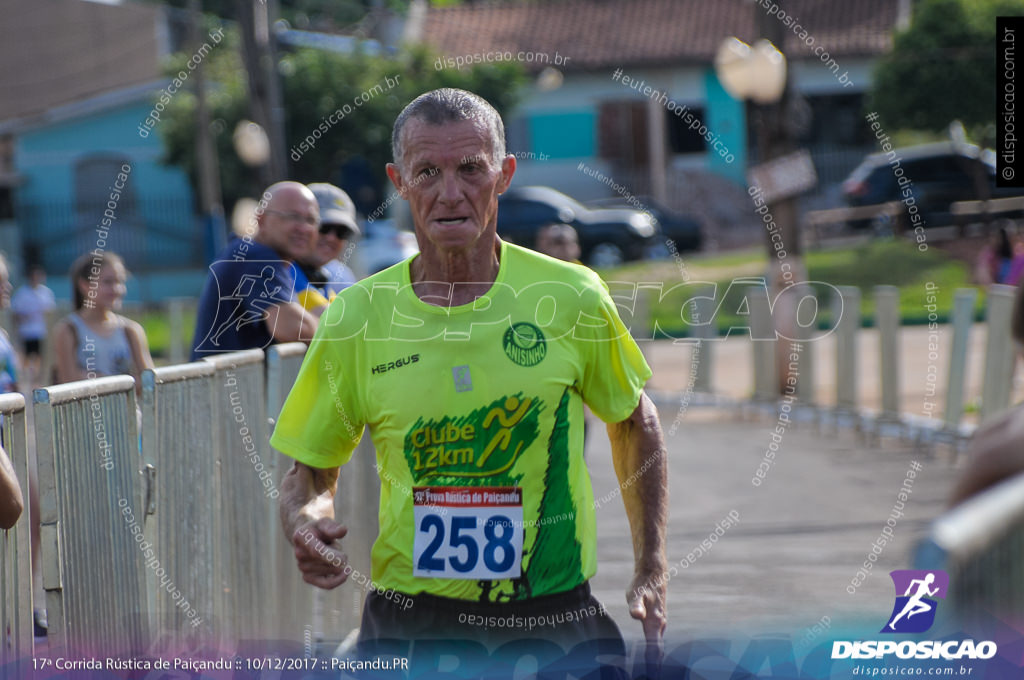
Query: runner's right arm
(307, 515)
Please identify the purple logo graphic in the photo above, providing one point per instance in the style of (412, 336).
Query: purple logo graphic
(916, 595)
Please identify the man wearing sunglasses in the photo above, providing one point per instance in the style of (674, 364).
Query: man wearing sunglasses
(249, 298)
(319, 273)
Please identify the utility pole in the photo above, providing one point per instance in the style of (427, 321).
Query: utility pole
(258, 56)
(206, 153)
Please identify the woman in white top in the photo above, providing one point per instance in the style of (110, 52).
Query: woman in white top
(94, 340)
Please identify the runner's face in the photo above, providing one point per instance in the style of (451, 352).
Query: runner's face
(290, 222)
(452, 183)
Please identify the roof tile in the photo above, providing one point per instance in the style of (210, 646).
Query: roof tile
(614, 33)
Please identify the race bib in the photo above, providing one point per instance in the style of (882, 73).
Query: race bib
(468, 532)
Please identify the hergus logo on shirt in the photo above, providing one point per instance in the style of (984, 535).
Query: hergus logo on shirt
(397, 363)
(525, 344)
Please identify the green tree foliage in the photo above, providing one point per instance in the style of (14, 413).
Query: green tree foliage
(942, 67)
(315, 85)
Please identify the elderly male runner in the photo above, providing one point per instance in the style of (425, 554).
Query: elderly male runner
(471, 363)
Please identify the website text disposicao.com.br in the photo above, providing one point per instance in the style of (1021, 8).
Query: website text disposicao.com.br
(954, 652)
(952, 671)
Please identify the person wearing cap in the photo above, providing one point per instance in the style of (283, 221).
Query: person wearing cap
(319, 275)
(338, 228)
(249, 298)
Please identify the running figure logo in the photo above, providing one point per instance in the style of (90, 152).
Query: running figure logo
(262, 299)
(914, 611)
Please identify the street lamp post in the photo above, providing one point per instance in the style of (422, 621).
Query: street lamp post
(758, 74)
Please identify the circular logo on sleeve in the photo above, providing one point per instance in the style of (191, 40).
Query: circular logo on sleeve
(525, 344)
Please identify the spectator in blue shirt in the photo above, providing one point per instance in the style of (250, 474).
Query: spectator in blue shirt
(249, 298)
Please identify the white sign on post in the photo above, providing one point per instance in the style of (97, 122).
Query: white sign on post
(785, 176)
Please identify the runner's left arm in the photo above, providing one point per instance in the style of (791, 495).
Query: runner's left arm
(639, 457)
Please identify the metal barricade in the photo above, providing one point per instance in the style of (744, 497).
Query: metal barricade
(333, 614)
(765, 344)
(888, 421)
(702, 312)
(980, 544)
(92, 512)
(806, 335)
(16, 645)
(963, 317)
(283, 363)
(179, 428)
(355, 506)
(297, 597)
(999, 352)
(248, 493)
(847, 312)
(887, 317)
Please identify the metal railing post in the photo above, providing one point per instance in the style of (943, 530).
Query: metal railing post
(92, 516)
(999, 352)
(179, 432)
(847, 310)
(766, 377)
(963, 318)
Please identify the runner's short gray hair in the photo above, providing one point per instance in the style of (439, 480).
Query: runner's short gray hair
(449, 105)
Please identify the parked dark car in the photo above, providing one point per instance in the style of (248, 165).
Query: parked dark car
(684, 230)
(608, 236)
(938, 174)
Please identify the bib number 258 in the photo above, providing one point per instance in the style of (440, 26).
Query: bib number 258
(468, 541)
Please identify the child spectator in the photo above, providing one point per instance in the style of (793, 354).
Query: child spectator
(31, 303)
(94, 340)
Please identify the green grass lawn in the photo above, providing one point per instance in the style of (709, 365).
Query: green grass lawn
(158, 329)
(879, 262)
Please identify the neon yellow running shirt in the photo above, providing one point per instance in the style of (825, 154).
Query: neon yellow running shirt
(476, 413)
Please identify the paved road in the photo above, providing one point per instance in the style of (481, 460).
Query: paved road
(801, 535)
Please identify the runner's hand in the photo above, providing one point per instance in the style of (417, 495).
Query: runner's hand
(646, 600)
(316, 548)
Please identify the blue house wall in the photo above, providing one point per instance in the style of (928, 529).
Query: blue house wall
(155, 227)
